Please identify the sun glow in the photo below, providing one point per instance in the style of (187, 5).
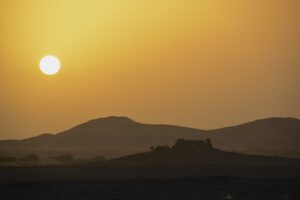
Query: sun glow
(50, 65)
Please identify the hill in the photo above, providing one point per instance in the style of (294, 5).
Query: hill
(186, 158)
(272, 136)
(197, 152)
(118, 136)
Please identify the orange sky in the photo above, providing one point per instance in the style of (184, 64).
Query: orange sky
(198, 63)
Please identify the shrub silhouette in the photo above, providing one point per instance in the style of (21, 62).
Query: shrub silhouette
(182, 144)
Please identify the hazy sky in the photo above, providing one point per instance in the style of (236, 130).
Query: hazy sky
(198, 63)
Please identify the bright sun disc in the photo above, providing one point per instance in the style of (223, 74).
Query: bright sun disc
(50, 65)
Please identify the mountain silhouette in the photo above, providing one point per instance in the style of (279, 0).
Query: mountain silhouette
(119, 136)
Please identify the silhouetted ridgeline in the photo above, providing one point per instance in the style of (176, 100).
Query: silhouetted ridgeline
(119, 136)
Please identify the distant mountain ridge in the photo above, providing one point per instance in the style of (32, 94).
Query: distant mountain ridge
(119, 136)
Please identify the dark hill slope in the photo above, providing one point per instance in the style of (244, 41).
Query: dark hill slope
(191, 152)
(273, 136)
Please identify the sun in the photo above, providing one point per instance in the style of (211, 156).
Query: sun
(50, 65)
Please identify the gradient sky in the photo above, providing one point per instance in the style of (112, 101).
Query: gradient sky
(197, 63)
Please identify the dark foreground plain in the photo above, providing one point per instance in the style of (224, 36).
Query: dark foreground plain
(151, 182)
(181, 188)
(187, 170)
